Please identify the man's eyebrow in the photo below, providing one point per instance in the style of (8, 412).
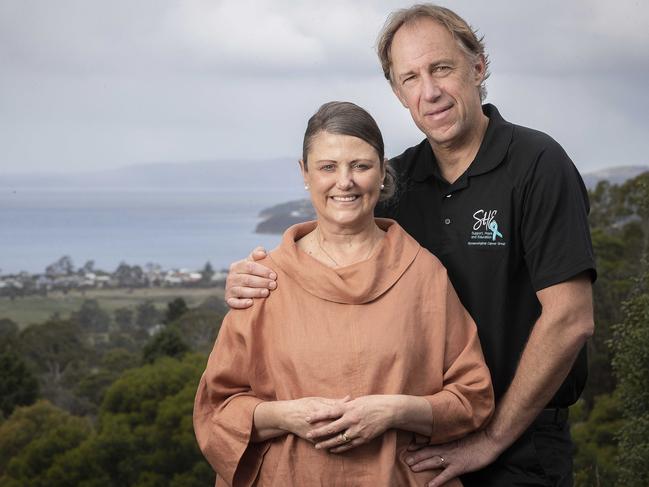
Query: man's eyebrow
(405, 74)
(434, 64)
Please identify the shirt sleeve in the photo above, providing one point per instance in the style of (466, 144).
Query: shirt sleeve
(554, 229)
(466, 400)
(225, 405)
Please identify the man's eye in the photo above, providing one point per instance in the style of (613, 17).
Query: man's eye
(408, 79)
(327, 167)
(441, 69)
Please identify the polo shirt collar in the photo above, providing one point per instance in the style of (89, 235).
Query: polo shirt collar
(495, 143)
(492, 150)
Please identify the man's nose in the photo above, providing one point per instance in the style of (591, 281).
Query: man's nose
(431, 89)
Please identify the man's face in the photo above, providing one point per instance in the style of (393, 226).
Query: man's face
(434, 79)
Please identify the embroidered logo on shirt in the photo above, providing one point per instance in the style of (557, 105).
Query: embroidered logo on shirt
(485, 231)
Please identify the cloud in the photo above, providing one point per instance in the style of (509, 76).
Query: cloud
(92, 83)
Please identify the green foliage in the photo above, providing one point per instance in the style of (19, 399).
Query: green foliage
(595, 438)
(200, 326)
(92, 317)
(619, 221)
(113, 363)
(8, 329)
(129, 276)
(53, 346)
(62, 267)
(207, 273)
(145, 425)
(167, 342)
(8, 334)
(147, 315)
(33, 438)
(631, 364)
(604, 430)
(123, 318)
(175, 309)
(18, 385)
(144, 435)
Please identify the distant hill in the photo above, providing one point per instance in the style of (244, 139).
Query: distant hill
(234, 174)
(276, 173)
(278, 218)
(614, 175)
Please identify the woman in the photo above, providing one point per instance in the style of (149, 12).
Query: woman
(363, 349)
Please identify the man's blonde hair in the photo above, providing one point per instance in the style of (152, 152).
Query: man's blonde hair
(466, 37)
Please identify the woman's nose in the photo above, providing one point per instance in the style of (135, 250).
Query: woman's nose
(344, 180)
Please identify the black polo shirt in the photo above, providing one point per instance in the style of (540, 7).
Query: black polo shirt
(514, 223)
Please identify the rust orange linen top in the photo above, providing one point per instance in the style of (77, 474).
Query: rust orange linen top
(391, 324)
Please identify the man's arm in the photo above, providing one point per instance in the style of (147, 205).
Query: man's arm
(247, 279)
(566, 322)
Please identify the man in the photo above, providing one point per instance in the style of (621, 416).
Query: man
(504, 209)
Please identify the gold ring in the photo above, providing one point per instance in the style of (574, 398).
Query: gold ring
(345, 437)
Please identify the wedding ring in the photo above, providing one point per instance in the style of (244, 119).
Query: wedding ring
(345, 437)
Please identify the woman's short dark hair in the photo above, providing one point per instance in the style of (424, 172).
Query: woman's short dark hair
(346, 118)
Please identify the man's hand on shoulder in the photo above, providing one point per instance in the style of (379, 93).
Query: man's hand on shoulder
(248, 279)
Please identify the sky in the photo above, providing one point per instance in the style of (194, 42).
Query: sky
(92, 84)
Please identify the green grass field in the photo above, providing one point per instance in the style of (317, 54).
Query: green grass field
(36, 309)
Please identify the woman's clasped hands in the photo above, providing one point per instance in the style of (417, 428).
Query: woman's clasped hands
(340, 425)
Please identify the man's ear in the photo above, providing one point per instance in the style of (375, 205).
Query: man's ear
(479, 69)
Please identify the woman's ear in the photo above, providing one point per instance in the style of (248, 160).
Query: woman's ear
(304, 172)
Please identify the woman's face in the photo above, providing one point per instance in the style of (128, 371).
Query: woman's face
(344, 175)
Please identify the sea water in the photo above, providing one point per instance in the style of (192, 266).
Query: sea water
(176, 229)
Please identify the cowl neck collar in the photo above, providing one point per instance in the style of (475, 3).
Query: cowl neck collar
(357, 283)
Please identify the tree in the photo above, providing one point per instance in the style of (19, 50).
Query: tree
(199, 328)
(62, 267)
(8, 328)
(595, 461)
(215, 304)
(8, 334)
(128, 276)
(52, 347)
(631, 365)
(92, 317)
(146, 315)
(145, 432)
(87, 268)
(112, 365)
(619, 220)
(33, 438)
(166, 343)
(123, 318)
(207, 273)
(18, 385)
(175, 309)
